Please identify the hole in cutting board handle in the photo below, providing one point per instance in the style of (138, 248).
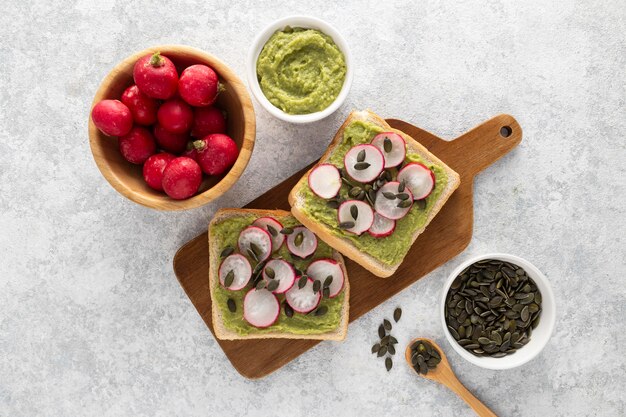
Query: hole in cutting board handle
(506, 131)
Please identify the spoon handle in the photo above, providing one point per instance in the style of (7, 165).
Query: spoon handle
(455, 385)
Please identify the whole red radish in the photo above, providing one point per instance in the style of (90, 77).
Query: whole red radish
(175, 115)
(182, 178)
(191, 151)
(198, 85)
(137, 145)
(112, 117)
(143, 108)
(216, 153)
(171, 142)
(153, 169)
(156, 76)
(207, 120)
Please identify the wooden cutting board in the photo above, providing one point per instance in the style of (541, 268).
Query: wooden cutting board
(447, 235)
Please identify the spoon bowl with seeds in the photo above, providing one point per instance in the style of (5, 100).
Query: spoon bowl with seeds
(427, 359)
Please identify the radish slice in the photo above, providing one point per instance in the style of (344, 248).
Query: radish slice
(325, 180)
(303, 300)
(392, 208)
(321, 269)
(283, 272)
(382, 226)
(260, 308)
(255, 241)
(273, 227)
(304, 246)
(240, 267)
(355, 212)
(418, 178)
(392, 142)
(364, 163)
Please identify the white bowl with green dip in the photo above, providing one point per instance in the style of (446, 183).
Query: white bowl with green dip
(299, 69)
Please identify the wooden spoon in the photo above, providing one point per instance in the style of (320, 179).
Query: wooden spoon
(445, 376)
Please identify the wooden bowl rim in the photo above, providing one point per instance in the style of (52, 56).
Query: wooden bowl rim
(245, 152)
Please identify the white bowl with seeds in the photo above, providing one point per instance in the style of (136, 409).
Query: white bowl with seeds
(539, 335)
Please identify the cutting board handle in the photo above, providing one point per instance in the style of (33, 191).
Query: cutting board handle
(485, 144)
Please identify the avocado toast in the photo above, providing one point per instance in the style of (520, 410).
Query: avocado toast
(264, 266)
(372, 193)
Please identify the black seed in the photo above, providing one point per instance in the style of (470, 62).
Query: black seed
(361, 156)
(228, 281)
(232, 307)
(360, 166)
(397, 313)
(228, 250)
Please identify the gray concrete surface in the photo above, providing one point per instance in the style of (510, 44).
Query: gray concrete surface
(92, 319)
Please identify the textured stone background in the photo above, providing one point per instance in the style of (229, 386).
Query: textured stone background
(92, 319)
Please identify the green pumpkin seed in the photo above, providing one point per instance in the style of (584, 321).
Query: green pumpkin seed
(286, 231)
(299, 239)
(381, 331)
(253, 255)
(402, 186)
(387, 324)
(361, 156)
(397, 313)
(387, 146)
(405, 204)
(354, 191)
(288, 309)
(302, 281)
(272, 285)
(334, 204)
(389, 196)
(260, 285)
(317, 285)
(328, 281)
(272, 230)
(228, 250)
(376, 348)
(382, 351)
(321, 310)
(270, 272)
(228, 280)
(420, 204)
(388, 364)
(354, 211)
(360, 166)
(232, 307)
(402, 196)
(346, 225)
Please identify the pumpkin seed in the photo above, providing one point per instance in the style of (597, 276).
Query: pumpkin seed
(405, 204)
(388, 364)
(328, 281)
(402, 196)
(232, 307)
(387, 324)
(391, 349)
(288, 310)
(272, 285)
(492, 306)
(317, 285)
(354, 191)
(286, 231)
(420, 204)
(272, 230)
(354, 212)
(387, 145)
(299, 239)
(361, 156)
(424, 357)
(389, 196)
(360, 166)
(302, 281)
(397, 313)
(260, 285)
(326, 292)
(321, 310)
(270, 272)
(376, 348)
(381, 331)
(402, 186)
(334, 204)
(346, 225)
(382, 351)
(252, 254)
(228, 250)
(228, 280)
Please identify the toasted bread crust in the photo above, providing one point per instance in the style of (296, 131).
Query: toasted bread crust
(345, 246)
(221, 332)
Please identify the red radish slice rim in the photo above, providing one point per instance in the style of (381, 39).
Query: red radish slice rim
(264, 222)
(364, 219)
(320, 269)
(373, 156)
(325, 181)
(262, 239)
(285, 274)
(382, 226)
(308, 245)
(418, 178)
(260, 308)
(295, 296)
(389, 208)
(398, 148)
(240, 266)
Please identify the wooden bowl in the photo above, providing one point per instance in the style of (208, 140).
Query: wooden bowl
(127, 178)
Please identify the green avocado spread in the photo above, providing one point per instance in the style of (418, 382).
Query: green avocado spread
(391, 249)
(301, 71)
(227, 233)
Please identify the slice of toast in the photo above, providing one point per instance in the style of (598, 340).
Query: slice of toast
(220, 329)
(344, 245)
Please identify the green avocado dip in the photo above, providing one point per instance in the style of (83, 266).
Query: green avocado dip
(227, 232)
(301, 71)
(391, 249)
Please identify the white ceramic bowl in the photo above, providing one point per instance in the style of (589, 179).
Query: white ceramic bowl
(257, 46)
(540, 335)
